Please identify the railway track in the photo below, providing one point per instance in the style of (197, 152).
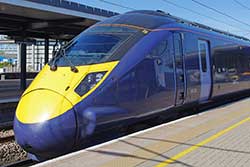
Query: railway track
(7, 139)
(10, 151)
(22, 163)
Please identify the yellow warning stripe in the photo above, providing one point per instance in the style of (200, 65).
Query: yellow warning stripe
(194, 147)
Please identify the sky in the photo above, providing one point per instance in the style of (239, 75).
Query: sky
(237, 20)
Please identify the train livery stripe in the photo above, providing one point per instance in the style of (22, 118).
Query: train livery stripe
(196, 146)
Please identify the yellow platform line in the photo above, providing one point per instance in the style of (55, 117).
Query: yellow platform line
(194, 147)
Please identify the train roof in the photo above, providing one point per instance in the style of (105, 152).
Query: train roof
(154, 19)
(144, 18)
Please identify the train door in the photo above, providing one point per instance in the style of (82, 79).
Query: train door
(179, 69)
(205, 70)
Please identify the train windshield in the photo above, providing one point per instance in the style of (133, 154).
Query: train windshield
(96, 45)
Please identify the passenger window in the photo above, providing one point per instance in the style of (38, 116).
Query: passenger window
(177, 45)
(203, 51)
(178, 50)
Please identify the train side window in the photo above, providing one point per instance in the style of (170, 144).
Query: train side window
(202, 53)
(178, 48)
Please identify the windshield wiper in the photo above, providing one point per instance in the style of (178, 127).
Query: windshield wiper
(72, 66)
(62, 53)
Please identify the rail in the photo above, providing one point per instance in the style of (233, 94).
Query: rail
(7, 139)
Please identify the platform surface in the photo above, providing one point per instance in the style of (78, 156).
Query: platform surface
(217, 137)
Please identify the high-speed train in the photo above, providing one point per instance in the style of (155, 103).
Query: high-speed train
(126, 69)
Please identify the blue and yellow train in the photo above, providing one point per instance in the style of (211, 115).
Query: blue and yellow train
(125, 69)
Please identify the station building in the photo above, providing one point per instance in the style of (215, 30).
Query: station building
(35, 53)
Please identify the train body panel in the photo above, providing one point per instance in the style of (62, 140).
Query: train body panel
(65, 85)
(130, 68)
(49, 138)
(229, 63)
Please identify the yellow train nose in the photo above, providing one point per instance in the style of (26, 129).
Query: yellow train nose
(41, 105)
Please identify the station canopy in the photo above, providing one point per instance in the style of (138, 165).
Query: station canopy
(56, 19)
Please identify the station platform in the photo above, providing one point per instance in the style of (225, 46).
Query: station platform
(216, 137)
(10, 90)
(10, 96)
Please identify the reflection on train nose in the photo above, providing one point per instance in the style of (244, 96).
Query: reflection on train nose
(44, 126)
(40, 105)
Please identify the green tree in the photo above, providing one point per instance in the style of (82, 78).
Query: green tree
(4, 64)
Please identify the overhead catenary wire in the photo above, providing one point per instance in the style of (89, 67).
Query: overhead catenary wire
(200, 14)
(118, 5)
(190, 10)
(241, 4)
(222, 13)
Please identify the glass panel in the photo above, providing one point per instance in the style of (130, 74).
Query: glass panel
(178, 50)
(202, 53)
(95, 45)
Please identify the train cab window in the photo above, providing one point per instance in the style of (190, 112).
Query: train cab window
(95, 45)
(203, 54)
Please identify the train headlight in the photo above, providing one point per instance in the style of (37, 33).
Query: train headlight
(89, 82)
